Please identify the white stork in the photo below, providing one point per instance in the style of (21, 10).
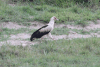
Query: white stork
(45, 30)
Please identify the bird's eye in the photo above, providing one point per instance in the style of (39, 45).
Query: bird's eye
(55, 18)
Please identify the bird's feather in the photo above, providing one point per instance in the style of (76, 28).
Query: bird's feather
(44, 30)
(41, 32)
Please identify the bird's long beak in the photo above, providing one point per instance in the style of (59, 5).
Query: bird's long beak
(57, 19)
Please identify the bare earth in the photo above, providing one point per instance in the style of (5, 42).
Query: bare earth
(19, 39)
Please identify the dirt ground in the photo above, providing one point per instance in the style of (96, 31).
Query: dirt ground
(19, 39)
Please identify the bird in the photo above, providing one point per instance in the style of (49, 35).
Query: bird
(44, 30)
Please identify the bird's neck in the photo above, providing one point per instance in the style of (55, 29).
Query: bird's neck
(51, 22)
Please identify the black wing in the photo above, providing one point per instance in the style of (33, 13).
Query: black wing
(40, 32)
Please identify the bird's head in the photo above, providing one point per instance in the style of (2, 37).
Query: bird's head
(54, 18)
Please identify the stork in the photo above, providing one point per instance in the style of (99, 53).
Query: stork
(45, 30)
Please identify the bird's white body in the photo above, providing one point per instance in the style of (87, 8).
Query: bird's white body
(51, 24)
(45, 30)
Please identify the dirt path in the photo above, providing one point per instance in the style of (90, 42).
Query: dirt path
(20, 39)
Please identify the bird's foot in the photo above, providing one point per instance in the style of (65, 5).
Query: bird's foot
(53, 38)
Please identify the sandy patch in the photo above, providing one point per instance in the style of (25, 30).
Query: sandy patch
(93, 26)
(18, 39)
(17, 42)
(36, 25)
(20, 36)
(68, 26)
(73, 36)
(14, 25)
(57, 37)
(11, 25)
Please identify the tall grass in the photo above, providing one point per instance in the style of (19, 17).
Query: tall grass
(26, 12)
(60, 3)
(61, 53)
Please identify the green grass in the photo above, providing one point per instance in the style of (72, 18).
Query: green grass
(22, 13)
(61, 53)
(65, 31)
(5, 34)
(57, 31)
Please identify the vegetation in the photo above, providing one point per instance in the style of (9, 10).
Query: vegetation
(28, 11)
(61, 53)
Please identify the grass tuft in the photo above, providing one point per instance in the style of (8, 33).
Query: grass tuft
(22, 13)
(76, 52)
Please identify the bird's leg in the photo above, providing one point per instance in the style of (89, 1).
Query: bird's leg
(41, 39)
(50, 36)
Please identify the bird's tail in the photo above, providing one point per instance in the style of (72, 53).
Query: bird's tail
(32, 38)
